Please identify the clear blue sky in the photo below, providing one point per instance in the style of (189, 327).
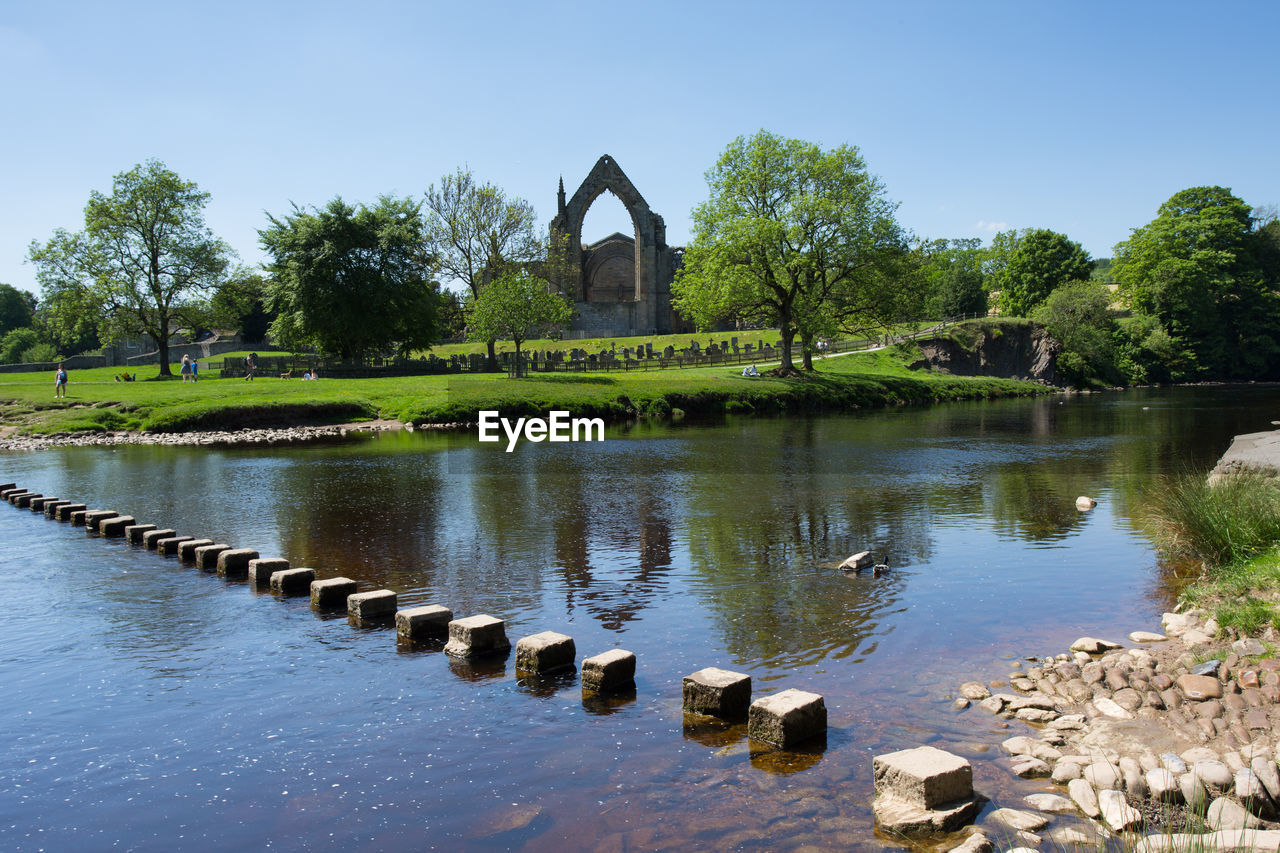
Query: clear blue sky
(1077, 116)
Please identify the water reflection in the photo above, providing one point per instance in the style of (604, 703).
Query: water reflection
(692, 545)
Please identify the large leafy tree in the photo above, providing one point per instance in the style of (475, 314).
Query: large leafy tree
(1204, 268)
(514, 308)
(1039, 262)
(143, 260)
(955, 284)
(351, 280)
(17, 308)
(793, 236)
(241, 304)
(478, 234)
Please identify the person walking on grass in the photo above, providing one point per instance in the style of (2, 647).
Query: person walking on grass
(60, 382)
(186, 368)
(250, 365)
(195, 370)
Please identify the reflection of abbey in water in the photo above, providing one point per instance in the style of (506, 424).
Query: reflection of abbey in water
(620, 285)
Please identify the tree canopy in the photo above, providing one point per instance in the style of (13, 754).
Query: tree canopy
(17, 308)
(477, 233)
(955, 283)
(351, 280)
(516, 307)
(1208, 271)
(143, 260)
(1039, 261)
(794, 236)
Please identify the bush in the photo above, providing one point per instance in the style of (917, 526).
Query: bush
(1227, 521)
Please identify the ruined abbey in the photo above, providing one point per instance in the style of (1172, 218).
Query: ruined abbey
(621, 285)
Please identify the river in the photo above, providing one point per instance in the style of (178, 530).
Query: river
(145, 705)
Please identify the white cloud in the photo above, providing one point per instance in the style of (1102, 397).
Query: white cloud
(993, 227)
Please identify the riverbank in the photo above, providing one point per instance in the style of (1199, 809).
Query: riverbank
(98, 405)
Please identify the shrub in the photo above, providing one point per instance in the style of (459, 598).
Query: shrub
(1227, 521)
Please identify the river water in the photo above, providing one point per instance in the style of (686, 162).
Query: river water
(145, 705)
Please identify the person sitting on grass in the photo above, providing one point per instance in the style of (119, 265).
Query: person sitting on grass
(750, 371)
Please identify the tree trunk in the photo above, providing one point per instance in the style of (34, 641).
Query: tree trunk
(788, 336)
(491, 363)
(162, 347)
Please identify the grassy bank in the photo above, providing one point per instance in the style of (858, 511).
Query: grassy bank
(95, 402)
(1231, 528)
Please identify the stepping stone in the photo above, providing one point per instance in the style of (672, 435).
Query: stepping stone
(787, 718)
(151, 537)
(545, 652)
(260, 570)
(234, 563)
(187, 550)
(611, 670)
(416, 623)
(331, 594)
(168, 546)
(114, 527)
(63, 513)
(377, 604)
(477, 635)
(293, 581)
(206, 555)
(133, 533)
(717, 692)
(94, 518)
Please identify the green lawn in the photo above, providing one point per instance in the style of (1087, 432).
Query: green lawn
(96, 402)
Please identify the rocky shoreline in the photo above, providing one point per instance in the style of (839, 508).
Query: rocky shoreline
(1171, 742)
(259, 437)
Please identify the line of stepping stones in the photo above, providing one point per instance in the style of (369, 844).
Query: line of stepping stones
(782, 719)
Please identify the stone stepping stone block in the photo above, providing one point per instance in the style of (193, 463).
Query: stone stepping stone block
(77, 518)
(261, 570)
(206, 554)
(36, 504)
(11, 495)
(717, 692)
(4, 487)
(168, 546)
(152, 537)
(611, 670)
(114, 527)
(474, 636)
(187, 550)
(133, 533)
(51, 507)
(332, 593)
(926, 777)
(787, 718)
(93, 518)
(23, 500)
(378, 604)
(234, 563)
(417, 623)
(293, 581)
(64, 512)
(544, 652)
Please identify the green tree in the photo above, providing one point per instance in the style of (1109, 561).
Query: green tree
(240, 304)
(478, 234)
(143, 260)
(17, 342)
(1200, 268)
(17, 308)
(351, 281)
(955, 284)
(1078, 316)
(516, 307)
(1040, 261)
(792, 236)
